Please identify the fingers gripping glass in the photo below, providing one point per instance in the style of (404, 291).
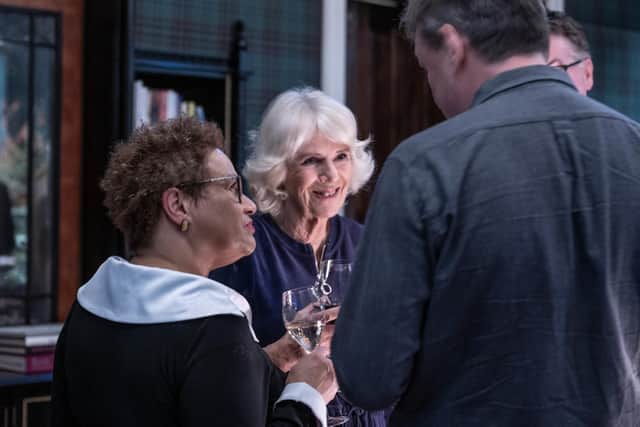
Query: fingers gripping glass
(566, 67)
(237, 187)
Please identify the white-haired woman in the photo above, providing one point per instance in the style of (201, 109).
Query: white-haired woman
(307, 159)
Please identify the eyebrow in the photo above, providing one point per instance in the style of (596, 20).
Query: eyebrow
(315, 153)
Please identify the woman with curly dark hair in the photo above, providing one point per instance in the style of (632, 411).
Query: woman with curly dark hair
(151, 341)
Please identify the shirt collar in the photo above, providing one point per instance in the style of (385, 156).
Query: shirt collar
(517, 77)
(128, 293)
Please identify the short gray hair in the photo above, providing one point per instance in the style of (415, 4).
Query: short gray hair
(292, 119)
(496, 29)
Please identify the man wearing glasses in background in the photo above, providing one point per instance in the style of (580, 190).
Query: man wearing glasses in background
(569, 50)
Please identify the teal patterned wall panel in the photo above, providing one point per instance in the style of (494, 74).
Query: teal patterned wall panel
(613, 30)
(283, 38)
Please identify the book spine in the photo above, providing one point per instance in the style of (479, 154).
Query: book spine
(31, 364)
(39, 363)
(173, 104)
(142, 100)
(32, 341)
(5, 349)
(41, 340)
(162, 105)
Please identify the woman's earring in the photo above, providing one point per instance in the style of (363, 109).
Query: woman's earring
(184, 226)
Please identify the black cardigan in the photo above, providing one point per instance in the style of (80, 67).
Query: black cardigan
(200, 372)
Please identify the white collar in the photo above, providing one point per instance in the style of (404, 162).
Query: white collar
(129, 293)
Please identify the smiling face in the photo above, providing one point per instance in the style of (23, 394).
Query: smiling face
(318, 179)
(223, 224)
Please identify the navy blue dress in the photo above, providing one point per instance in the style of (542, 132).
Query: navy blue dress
(280, 263)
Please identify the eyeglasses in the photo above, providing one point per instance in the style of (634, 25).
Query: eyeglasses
(567, 66)
(237, 187)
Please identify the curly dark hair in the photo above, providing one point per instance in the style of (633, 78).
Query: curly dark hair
(563, 25)
(155, 158)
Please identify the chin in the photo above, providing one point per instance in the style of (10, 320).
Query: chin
(249, 248)
(325, 213)
(244, 248)
(328, 211)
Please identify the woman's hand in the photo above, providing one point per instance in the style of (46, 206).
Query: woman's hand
(316, 370)
(284, 353)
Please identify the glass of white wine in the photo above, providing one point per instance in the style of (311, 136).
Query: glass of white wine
(304, 318)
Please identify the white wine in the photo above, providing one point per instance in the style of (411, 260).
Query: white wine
(306, 333)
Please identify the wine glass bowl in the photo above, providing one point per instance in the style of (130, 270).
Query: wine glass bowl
(304, 319)
(333, 281)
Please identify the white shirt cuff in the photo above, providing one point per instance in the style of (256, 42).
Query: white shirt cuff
(307, 395)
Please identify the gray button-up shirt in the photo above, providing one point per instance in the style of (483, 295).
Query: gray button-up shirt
(498, 279)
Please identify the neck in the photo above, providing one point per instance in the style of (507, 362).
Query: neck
(151, 258)
(514, 62)
(478, 72)
(169, 248)
(312, 231)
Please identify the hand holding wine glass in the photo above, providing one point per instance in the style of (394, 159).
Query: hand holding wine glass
(305, 316)
(316, 370)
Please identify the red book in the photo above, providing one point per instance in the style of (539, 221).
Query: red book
(27, 364)
(5, 349)
(162, 105)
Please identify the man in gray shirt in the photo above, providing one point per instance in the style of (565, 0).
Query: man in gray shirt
(498, 279)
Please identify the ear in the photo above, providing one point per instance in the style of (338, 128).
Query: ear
(454, 44)
(588, 74)
(175, 205)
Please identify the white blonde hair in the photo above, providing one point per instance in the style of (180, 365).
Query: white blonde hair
(292, 119)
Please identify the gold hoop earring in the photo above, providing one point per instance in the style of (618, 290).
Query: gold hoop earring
(184, 226)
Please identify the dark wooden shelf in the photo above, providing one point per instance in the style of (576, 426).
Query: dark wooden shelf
(180, 65)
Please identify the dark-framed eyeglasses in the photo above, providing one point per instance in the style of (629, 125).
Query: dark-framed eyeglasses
(565, 67)
(237, 185)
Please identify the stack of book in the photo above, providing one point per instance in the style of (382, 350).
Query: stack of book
(28, 349)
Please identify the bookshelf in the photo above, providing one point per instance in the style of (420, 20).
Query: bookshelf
(166, 86)
(217, 84)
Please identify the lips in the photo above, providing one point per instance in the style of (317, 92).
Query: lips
(249, 226)
(327, 193)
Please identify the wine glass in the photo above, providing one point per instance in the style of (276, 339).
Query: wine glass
(304, 318)
(333, 281)
(334, 276)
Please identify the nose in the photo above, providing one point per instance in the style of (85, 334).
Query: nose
(328, 172)
(248, 206)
